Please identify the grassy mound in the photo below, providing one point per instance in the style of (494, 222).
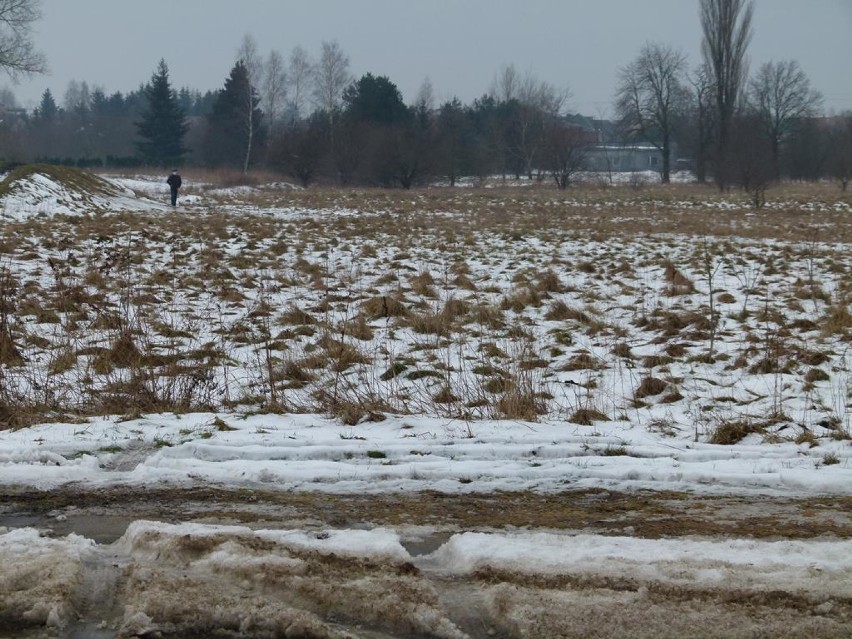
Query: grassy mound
(73, 179)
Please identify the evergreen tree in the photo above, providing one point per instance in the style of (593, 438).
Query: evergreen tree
(47, 110)
(163, 126)
(376, 100)
(234, 131)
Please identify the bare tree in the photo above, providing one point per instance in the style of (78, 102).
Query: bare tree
(702, 122)
(249, 56)
(726, 25)
(274, 89)
(840, 149)
(17, 54)
(533, 104)
(424, 101)
(504, 87)
(751, 158)
(651, 97)
(566, 150)
(8, 100)
(331, 77)
(77, 99)
(781, 94)
(299, 76)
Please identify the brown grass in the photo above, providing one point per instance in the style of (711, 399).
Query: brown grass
(587, 417)
(649, 387)
(838, 319)
(729, 433)
(288, 273)
(560, 311)
(679, 284)
(384, 306)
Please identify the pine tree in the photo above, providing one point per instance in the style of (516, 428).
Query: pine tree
(163, 125)
(47, 110)
(234, 131)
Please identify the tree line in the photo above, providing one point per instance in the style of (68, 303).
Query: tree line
(309, 118)
(738, 129)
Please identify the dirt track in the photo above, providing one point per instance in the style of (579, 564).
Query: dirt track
(645, 514)
(329, 590)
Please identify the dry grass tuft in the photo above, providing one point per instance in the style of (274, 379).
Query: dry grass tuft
(549, 282)
(520, 300)
(516, 403)
(729, 433)
(622, 350)
(295, 316)
(649, 387)
(838, 320)
(9, 353)
(583, 361)
(124, 353)
(384, 306)
(679, 284)
(816, 375)
(490, 317)
(358, 328)
(587, 417)
(561, 312)
(445, 396)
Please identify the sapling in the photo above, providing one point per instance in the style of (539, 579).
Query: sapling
(711, 263)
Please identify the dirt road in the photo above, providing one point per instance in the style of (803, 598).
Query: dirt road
(310, 594)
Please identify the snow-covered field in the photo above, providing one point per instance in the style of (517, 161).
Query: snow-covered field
(465, 343)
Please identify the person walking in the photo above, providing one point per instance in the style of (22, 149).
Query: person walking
(174, 183)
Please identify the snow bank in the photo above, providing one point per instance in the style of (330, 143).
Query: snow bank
(38, 575)
(820, 568)
(412, 453)
(192, 579)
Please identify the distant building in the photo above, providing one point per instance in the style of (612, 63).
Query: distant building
(624, 157)
(608, 152)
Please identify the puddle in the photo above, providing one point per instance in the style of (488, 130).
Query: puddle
(102, 529)
(88, 631)
(425, 545)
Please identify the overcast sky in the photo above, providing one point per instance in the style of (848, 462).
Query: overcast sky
(458, 44)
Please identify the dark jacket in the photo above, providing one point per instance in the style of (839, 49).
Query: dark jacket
(174, 181)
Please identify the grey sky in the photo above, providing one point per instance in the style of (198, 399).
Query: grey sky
(458, 44)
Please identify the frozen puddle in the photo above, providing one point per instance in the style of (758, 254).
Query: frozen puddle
(193, 580)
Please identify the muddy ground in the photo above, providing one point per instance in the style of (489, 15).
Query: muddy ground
(103, 513)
